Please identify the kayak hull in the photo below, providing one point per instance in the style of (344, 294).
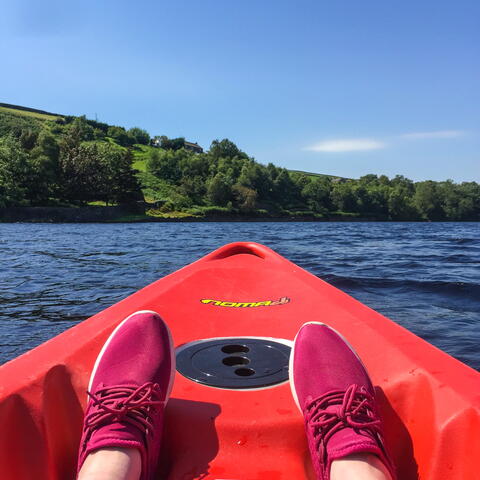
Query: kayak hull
(430, 402)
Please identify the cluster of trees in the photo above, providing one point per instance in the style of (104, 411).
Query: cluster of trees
(228, 178)
(67, 161)
(73, 160)
(401, 199)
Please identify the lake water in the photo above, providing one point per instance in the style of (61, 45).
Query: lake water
(425, 276)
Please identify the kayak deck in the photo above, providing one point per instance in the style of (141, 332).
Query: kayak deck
(430, 401)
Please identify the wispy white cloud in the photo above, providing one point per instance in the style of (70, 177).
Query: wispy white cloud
(365, 144)
(346, 145)
(437, 134)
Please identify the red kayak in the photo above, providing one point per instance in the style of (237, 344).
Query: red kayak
(229, 419)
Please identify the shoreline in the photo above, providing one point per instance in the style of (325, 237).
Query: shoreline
(136, 214)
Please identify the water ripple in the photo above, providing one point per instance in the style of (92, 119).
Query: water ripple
(424, 276)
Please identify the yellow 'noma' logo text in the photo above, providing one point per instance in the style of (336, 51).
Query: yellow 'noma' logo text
(266, 303)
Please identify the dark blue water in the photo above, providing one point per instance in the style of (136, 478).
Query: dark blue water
(425, 276)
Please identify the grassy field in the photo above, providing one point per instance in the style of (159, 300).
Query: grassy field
(25, 113)
(100, 203)
(140, 155)
(310, 174)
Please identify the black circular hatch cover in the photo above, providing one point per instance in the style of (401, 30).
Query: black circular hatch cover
(235, 362)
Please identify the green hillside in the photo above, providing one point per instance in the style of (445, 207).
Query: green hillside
(321, 175)
(49, 159)
(27, 112)
(140, 153)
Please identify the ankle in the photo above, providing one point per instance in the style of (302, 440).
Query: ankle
(112, 464)
(359, 466)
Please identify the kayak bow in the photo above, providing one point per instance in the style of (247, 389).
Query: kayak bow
(233, 315)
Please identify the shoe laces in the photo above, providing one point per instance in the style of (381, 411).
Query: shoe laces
(124, 404)
(352, 408)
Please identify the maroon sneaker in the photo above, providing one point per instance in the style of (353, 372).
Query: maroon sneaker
(129, 387)
(333, 391)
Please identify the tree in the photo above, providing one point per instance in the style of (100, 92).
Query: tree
(80, 129)
(193, 164)
(119, 135)
(14, 172)
(343, 197)
(399, 181)
(368, 179)
(245, 197)
(449, 199)
(460, 202)
(165, 164)
(44, 182)
(255, 177)
(119, 183)
(79, 172)
(219, 190)
(98, 134)
(427, 201)
(48, 145)
(383, 180)
(177, 201)
(98, 171)
(469, 204)
(284, 189)
(371, 198)
(225, 149)
(28, 138)
(193, 188)
(172, 143)
(230, 167)
(400, 205)
(301, 180)
(139, 135)
(317, 194)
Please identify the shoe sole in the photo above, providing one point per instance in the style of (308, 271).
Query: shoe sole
(292, 354)
(109, 339)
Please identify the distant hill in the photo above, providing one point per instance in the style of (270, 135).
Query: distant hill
(28, 112)
(140, 154)
(311, 174)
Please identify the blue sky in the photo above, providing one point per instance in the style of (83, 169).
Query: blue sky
(340, 87)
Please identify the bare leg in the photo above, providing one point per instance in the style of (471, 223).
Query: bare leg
(361, 466)
(123, 421)
(337, 398)
(112, 464)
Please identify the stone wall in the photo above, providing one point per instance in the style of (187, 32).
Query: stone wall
(68, 215)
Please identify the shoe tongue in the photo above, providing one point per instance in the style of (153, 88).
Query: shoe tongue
(118, 433)
(348, 440)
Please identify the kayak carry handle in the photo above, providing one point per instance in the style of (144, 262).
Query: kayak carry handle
(243, 248)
